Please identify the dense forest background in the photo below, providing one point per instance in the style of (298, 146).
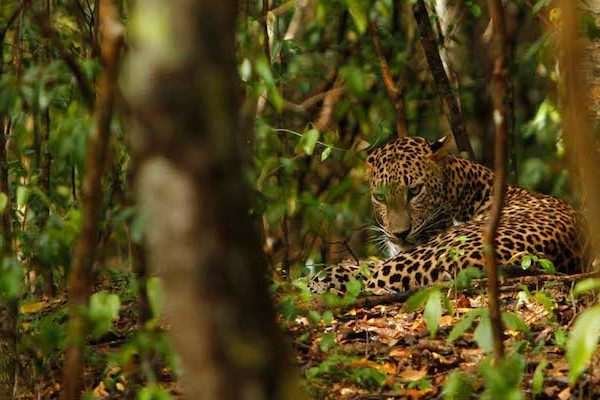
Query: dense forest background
(150, 150)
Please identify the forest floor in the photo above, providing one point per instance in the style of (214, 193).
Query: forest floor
(377, 352)
(119, 364)
(385, 352)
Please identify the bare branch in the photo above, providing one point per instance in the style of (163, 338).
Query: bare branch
(442, 83)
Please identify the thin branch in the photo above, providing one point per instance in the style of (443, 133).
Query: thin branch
(82, 274)
(265, 26)
(394, 92)
(310, 102)
(329, 102)
(500, 93)
(442, 83)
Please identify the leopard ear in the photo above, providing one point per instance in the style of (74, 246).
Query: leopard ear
(441, 148)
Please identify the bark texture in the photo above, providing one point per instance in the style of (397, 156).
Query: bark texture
(201, 239)
(580, 88)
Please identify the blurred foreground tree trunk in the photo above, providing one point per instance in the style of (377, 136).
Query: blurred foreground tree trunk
(184, 92)
(581, 105)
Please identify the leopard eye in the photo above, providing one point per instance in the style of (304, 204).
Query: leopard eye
(415, 190)
(380, 197)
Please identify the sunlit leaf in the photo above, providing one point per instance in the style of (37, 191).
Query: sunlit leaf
(458, 386)
(433, 311)
(586, 285)
(483, 334)
(358, 11)
(582, 341)
(309, 141)
(537, 381)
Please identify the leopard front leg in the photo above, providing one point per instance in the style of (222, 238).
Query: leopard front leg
(335, 278)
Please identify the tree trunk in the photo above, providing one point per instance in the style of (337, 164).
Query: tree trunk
(202, 241)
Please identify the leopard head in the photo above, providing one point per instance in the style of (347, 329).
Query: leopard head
(408, 191)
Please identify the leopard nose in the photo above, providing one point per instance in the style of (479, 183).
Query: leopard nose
(401, 235)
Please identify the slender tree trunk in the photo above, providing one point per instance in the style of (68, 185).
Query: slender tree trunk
(502, 118)
(82, 274)
(8, 307)
(442, 83)
(200, 236)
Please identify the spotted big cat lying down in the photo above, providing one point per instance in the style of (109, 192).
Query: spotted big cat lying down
(431, 210)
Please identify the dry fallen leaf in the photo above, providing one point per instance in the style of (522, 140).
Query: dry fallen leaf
(565, 394)
(100, 391)
(32, 308)
(412, 375)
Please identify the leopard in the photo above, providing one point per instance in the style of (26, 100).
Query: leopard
(431, 209)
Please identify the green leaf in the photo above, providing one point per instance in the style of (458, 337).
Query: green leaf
(369, 378)
(327, 342)
(314, 317)
(463, 325)
(545, 300)
(153, 392)
(3, 202)
(582, 341)
(309, 141)
(586, 285)
(483, 334)
(355, 79)
(465, 277)
(417, 300)
(353, 288)
(547, 265)
(537, 381)
(327, 317)
(503, 378)
(433, 311)
(527, 261)
(513, 322)
(458, 386)
(22, 196)
(103, 310)
(560, 338)
(326, 153)
(358, 12)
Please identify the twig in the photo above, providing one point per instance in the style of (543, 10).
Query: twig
(501, 117)
(13, 17)
(442, 83)
(394, 92)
